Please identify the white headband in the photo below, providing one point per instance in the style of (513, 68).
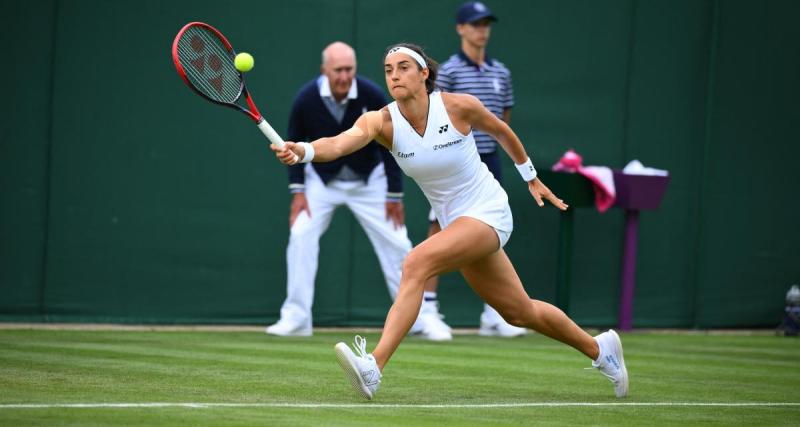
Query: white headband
(402, 49)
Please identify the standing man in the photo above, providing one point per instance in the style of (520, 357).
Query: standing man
(472, 71)
(367, 181)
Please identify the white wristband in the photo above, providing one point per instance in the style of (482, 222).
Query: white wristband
(527, 170)
(308, 149)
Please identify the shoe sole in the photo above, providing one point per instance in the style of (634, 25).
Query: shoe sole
(293, 334)
(487, 332)
(437, 338)
(304, 333)
(343, 353)
(618, 346)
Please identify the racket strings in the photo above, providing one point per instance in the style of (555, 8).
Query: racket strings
(209, 65)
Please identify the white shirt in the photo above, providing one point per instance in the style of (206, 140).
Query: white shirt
(446, 166)
(336, 108)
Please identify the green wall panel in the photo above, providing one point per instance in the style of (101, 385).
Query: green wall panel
(25, 82)
(749, 252)
(126, 198)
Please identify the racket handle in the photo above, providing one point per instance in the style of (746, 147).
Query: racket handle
(270, 133)
(273, 136)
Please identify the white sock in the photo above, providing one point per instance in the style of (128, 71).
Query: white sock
(600, 350)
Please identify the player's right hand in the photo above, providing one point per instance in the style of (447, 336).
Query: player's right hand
(289, 154)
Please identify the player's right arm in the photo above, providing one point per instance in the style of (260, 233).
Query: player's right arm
(371, 125)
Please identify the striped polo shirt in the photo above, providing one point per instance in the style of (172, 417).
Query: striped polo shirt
(491, 83)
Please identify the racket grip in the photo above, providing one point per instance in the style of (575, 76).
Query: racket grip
(273, 136)
(270, 133)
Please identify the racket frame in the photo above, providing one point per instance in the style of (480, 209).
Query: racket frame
(253, 112)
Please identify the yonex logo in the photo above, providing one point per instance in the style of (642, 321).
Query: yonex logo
(443, 129)
(214, 62)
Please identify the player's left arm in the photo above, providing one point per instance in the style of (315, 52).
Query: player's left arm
(480, 118)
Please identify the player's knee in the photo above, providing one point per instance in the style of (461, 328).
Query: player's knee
(517, 315)
(417, 267)
(517, 321)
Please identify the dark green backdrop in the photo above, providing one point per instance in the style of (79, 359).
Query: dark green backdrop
(126, 198)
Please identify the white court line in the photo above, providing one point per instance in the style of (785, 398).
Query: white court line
(393, 405)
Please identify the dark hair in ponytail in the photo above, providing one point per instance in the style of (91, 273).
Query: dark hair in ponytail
(433, 66)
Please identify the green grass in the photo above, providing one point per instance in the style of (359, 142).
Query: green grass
(73, 366)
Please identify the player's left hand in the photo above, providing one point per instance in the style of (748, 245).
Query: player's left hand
(540, 192)
(396, 213)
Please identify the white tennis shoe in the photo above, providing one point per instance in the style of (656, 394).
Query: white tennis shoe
(493, 325)
(431, 324)
(501, 329)
(611, 363)
(359, 367)
(288, 328)
(435, 329)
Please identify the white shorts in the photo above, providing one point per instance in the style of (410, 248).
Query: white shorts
(502, 235)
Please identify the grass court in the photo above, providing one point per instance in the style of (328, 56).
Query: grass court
(241, 377)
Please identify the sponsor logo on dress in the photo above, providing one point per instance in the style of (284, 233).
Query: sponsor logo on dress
(443, 128)
(402, 155)
(447, 144)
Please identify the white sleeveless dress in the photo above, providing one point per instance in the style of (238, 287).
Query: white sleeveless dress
(446, 166)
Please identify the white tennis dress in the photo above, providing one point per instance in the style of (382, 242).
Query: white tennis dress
(446, 166)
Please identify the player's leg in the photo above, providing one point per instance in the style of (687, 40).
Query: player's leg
(302, 255)
(391, 243)
(462, 242)
(492, 323)
(432, 322)
(494, 279)
(432, 284)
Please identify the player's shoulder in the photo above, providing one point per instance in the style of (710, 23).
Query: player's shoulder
(459, 101)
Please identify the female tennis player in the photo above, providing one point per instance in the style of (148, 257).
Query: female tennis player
(429, 133)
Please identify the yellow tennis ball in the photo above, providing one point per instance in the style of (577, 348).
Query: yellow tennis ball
(244, 62)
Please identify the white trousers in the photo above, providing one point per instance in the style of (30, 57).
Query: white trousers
(367, 202)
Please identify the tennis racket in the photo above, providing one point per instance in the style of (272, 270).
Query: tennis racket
(204, 60)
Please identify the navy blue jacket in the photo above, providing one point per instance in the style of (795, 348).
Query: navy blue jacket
(310, 120)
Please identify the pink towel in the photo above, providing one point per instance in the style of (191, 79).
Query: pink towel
(602, 178)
